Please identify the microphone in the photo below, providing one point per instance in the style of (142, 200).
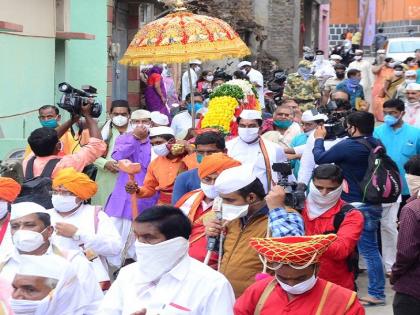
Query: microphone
(212, 242)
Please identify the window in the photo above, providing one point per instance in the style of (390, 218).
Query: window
(404, 46)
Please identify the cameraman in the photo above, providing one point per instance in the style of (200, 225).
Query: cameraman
(323, 206)
(45, 145)
(352, 157)
(307, 162)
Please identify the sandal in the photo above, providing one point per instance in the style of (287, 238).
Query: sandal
(369, 301)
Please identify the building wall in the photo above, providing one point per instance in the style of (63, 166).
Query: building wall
(27, 69)
(396, 17)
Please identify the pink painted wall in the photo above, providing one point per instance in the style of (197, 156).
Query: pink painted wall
(324, 23)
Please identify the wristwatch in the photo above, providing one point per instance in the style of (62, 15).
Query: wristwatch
(76, 236)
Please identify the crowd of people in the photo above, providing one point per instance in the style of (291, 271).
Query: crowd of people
(149, 214)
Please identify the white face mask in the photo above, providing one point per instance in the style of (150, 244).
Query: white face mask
(357, 57)
(64, 203)
(232, 212)
(408, 81)
(413, 183)
(119, 120)
(156, 260)
(319, 58)
(134, 126)
(244, 71)
(209, 190)
(299, 288)
(248, 135)
(318, 204)
(209, 78)
(161, 149)
(197, 69)
(3, 209)
(29, 307)
(27, 241)
(398, 73)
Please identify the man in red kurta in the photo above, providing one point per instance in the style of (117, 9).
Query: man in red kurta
(198, 203)
(325, 212)
(296, 288)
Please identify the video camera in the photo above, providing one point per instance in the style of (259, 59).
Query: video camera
(336, 123)
(294, 198)
(73, 99)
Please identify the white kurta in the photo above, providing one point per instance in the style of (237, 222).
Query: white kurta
(92, 293)
(189, 288)
(307, 161)
(368, 78)
(285, 139)
(186, 83)
(256, 77)
(181, 123)
(105, 242)
(252, 154)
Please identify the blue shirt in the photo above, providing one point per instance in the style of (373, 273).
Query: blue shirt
(355, 94)
(352, 157)
(283, 223)
(297, 141)
(400, 145)
(184, 183)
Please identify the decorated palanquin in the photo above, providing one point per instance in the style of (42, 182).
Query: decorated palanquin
(226, 104)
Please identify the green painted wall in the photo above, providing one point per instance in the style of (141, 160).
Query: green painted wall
(86, 60)
(32, 67)
(26, 83)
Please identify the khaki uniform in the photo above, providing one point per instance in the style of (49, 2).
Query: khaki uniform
(305, 93)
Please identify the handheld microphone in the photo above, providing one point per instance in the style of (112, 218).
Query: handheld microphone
(212, 242)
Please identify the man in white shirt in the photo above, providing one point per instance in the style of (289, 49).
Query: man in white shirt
(250, 148)
(182, 121)
(31, 229)
(194, 68)
(284, 128)
(322, 68)
(255, 77)
(165, 279)
(83, 227)
(365, 68)
(46, 285)
(412, 106)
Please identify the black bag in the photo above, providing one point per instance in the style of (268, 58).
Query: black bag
(37, 189)
(382, 181)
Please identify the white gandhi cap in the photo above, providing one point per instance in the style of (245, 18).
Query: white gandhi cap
(159, 118)
(158, 131)
(47, 266)
(244, 63)
(250, 114)
(195, 62)
(140, 114)
(308, 115)
(413, 87)
(336, 57)
(235, 178)
(22, 209)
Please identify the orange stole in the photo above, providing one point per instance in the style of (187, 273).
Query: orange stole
(187, 201)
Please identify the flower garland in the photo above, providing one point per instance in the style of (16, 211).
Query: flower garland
(221, 113)
(246, 87)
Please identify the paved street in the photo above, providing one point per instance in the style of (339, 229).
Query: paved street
(380, 310)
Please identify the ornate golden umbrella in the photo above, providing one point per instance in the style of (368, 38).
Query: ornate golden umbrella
(182, 36)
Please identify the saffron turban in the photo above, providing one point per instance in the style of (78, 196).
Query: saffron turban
(215, 163)
(293, 250)
(77, 183)
(9, 189)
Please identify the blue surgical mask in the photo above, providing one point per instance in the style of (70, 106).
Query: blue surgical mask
(283, 124)
(197, 107)
(390, 120)
(51, 123)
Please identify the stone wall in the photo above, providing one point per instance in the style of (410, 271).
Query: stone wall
(283, 31)
(391, 29)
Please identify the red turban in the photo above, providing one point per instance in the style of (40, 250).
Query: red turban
(76, 182)
(9, 189)
(215, 163)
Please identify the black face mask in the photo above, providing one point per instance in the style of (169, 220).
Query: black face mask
(340, 75)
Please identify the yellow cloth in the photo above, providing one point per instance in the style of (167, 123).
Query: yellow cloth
(9, 189)
(78, 183)
(216, 163)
